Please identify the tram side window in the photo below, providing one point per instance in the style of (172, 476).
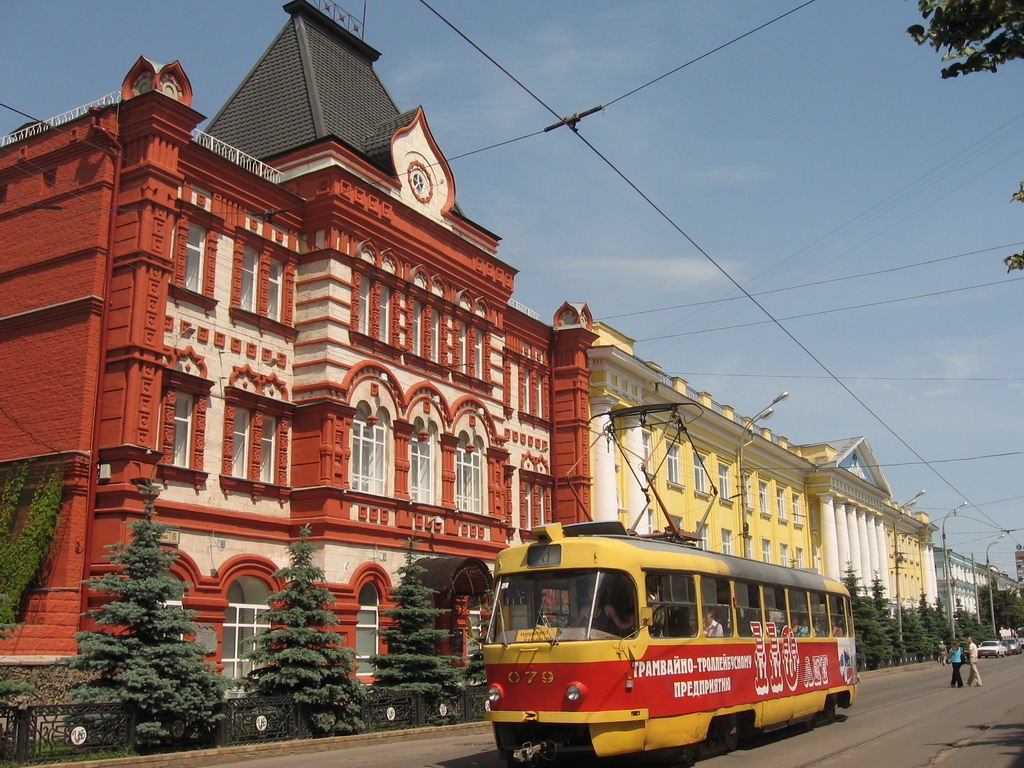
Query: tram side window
(799, 613)
(837, 611)
(775, 606)
(716, 606)
(673, 596)
(819, 615)
(748, 607)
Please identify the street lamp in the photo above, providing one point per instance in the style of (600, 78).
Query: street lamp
(988, 569)
(949, 586)
(897, 557)
(745, 437)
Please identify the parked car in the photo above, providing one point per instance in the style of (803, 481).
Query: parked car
(991, 648)
(1013, 646)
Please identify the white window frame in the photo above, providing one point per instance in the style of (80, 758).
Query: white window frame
(367, 628)
(365, 288)
(184, 404)
(195, 258)
(248, 295)
(673, 467)
(784, 554)
(268, 449)
(766, 550)
(468, 475)
(700, 476)
(780, 503)
(242, 626)
(724, 482)
(797, 511)
(275, 289)
(384, 329)
(421, 466)
(726, 541)
(369, 454)
(242, 428)
(762, 498)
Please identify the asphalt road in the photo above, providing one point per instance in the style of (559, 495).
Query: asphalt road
(903, 718)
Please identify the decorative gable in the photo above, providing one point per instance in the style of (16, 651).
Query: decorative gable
(425, 178)
(147, 75)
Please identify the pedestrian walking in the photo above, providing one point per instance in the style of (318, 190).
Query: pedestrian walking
(956, 660)
(974, 677)
(943, 655)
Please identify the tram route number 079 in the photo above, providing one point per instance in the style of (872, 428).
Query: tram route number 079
(547, 676)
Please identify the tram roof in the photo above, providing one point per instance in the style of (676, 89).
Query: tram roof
(663, 551)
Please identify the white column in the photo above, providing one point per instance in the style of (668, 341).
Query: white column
(872, 537)
(636, 497)
(606, 496)
(883, 558)
(829, 537)
(855, 562)
(843, 538)
(865, 546)
(930, 578)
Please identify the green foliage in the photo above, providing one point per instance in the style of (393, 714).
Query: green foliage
(412, 661)
(297, 657)
(871, 632)
(10, 690)
(977, 36)
(968, 625)
(23, 555)
(142, 658)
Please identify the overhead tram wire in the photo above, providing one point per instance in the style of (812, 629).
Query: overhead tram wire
(571, 123)
(831, 311)
(813, 284)
(1007, 379)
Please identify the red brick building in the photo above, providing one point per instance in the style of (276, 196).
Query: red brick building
(284, 319)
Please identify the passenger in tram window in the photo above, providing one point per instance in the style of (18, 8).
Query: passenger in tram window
(711, 626)
(616, 614)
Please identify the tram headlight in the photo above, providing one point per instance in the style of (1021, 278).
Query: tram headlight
(575, 692)
(494, 693)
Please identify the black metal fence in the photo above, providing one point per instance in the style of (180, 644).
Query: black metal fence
(65, 732)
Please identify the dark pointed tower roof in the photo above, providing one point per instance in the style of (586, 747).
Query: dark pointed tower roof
(316, 81)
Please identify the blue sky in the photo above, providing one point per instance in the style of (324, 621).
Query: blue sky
(798, 160)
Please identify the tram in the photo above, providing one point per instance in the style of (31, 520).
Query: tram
(611, 643)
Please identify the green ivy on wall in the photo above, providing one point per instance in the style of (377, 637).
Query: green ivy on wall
(22, 556)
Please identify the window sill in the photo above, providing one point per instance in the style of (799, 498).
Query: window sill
(193, 477)
(535, 421)
(382, 348)
(766, 516)
(676, 486)
(181, 294)
(254, 488)
(783, 521)
(264, 324)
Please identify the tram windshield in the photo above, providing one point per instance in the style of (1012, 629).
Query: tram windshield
(564, 605)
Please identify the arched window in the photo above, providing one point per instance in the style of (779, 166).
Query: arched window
(367, 624)
(247, 605)
(369, 451)
(421, 457)
(468, 474)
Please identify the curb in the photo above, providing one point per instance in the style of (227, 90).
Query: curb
(221, 755)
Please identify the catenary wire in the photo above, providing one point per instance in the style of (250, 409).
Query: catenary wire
(725, 273)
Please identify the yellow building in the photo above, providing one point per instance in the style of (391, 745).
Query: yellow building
(660, 446)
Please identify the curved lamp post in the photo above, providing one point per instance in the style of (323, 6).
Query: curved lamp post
(949, 583)
(745, 437)
(991, 584)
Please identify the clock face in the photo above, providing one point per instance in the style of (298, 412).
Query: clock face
(419, 182)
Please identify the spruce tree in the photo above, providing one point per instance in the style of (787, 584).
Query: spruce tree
(887, 619)
(297, 657)
(872, 642)
(412, 662)
(143, 657)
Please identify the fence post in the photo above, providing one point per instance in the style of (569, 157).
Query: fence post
(22, 726)
(223, 725)
(418, 709)
(132, 719)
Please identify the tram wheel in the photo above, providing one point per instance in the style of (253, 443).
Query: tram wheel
(827, 716)
(689, 754)
(726, 732)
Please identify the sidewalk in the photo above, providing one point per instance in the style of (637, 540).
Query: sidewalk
(220, 755)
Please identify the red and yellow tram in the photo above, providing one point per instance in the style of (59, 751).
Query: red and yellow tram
(611, 643)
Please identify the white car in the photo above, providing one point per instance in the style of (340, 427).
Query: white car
(991, 648)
